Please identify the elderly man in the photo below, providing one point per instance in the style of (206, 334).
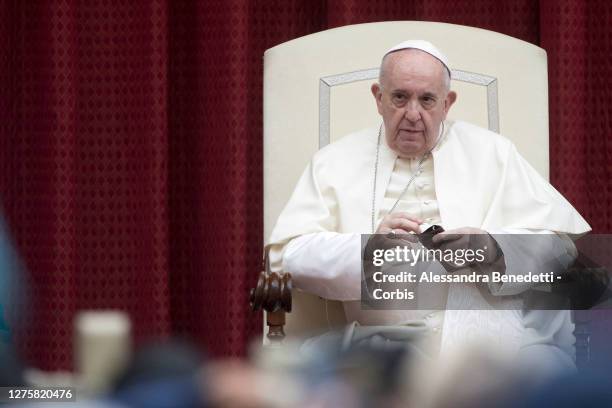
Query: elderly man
(417, 170)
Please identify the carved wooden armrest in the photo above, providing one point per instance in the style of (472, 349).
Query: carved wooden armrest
(272, 294)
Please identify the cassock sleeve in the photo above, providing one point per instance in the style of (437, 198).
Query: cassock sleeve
(531, 251)
(530, 221)
(304, 242)
(327, 264)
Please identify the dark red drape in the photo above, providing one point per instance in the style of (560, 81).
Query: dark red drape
(131, 146)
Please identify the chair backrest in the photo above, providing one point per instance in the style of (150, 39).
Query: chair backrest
(317, 89)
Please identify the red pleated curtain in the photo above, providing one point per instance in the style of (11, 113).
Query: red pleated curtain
(131, 147)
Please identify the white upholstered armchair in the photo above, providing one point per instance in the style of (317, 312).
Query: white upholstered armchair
(317, 89)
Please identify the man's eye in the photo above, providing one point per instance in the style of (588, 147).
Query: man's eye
(428, 100)
(398, 99)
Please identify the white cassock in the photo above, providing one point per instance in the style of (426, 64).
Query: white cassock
(475, 178)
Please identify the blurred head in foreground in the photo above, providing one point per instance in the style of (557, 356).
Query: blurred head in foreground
(12, 309)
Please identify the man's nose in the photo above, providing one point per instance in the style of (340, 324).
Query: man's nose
(412, 113)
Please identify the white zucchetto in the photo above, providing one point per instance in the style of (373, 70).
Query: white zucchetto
(422, 45)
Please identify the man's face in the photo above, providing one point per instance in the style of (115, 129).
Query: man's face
(413, 101)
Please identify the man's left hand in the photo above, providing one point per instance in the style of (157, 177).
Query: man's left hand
(469, 238)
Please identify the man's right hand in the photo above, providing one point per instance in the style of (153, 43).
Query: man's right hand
(393, 231)
(399, 223)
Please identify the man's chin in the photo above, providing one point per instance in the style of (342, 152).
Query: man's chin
(410, 149)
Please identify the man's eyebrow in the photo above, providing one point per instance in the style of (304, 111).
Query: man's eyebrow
(429, 95)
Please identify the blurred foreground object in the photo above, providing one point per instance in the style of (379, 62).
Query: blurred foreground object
(11, 370)
(102, 348)
(162, 374)
(12, 286)
(12, 299)
(4, 330)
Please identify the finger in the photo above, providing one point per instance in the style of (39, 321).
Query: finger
(453, 245)
(405, 215)
(446, 236)
(389, 222)
(393, 238)
(394, 231)
(412, 238)
(404, 224)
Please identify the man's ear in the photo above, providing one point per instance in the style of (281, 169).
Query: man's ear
(448, 102)
(376, 90)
